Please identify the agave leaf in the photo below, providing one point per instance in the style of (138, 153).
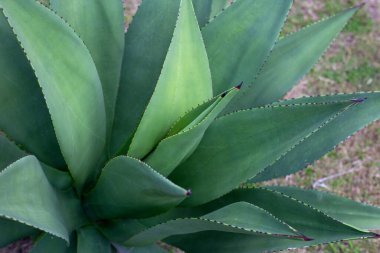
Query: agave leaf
(147, 249)
(90, 240)
(69, 81)
(48, 243)
(174, 149)
(207, 9)
(71, 208)
(10, 153)
(347, 211)
(326, 138)
(12, 231)
(185, 82)
(240, 38)
(296, 53)
(239, 217)
(33, 202)
(100, 24)
(148, 192)
(23, 112)
(232, 151)
(121, 230)
(315, 225)
(217, 7)
(146, 46)
(202, 10)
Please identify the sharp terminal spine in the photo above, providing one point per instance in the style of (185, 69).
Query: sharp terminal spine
(239, 86)
(189, 193)
(359, 100)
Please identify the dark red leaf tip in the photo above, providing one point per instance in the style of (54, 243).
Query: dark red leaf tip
(307, 239)
(377, 236)
(189, 193)
(358, 100)
(239, 86)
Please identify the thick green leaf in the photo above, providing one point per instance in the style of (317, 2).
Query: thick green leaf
(120, 230)
(185, 82)
(90, 240)
(291, 58)
(326, 138)
(239, 217)
(344, 210)
(308, 221)
(174, 149)
(11, 231)
(207, 9)
(218, 6)
(23, 113)
(69, 81)
(71, 208)
(147, 249)
(100, 24)
(202, 10)
(146, 46)
(240, 38)
(33, 202)
(238, 146)
(128, 188)
(11, 153)
(48, 243)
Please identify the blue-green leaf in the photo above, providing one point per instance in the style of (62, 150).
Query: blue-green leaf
(240, 38)
(176, 148)
(185, 82)
(24, 116)
(146, 46)
(128, 188)
(327, 137)
(69, 82)
(100, 24)
(240, 145)
(33, 202)
(291, 58)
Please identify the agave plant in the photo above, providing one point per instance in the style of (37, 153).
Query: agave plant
(113, 142)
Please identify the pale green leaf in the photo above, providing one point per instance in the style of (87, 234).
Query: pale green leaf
(310, 222)
(239, 217)
(344, 210)
(128, 188)
(240, 38)
(146, 46)
(291, 58)
(69, 82)
(100, 24)
(238, 146)
(174, 149)
(33, 202)
(328, 137)
(185, 82)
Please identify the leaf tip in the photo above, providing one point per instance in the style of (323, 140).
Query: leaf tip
(359, 100)
(239, 86)
(307, 239)
(189, 193)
